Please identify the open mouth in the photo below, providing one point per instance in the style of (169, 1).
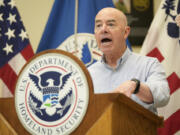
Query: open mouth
(106, 40)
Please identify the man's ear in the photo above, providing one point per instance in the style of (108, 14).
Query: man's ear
(127, 31)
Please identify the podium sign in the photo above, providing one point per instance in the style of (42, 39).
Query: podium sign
(52, 93)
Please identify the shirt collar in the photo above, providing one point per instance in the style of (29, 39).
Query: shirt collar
(120, 61)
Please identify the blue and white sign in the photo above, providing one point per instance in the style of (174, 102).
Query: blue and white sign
(52, 94)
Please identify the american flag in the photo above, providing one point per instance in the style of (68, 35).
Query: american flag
(15, 48)
(163, 42)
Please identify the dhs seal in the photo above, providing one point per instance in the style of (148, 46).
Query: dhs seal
(84, 46)
(52, 93)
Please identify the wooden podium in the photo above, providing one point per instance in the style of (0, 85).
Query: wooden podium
(107, 114)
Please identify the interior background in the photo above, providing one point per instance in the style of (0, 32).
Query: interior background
(35, 13)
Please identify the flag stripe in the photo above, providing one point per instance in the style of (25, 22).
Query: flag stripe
(27, 52)
(177, 133)
(174, 82)
(171, 107)
(171, 125)
(8, 76)
(156, 53)
(17, 63)
(6, 92)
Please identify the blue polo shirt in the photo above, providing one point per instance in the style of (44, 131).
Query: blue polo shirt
(131, 65)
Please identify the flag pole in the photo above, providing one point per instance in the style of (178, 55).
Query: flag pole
(76, 26)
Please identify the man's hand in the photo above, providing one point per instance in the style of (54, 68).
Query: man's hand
(127, 88)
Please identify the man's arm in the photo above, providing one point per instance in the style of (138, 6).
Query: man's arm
(127, 88)
(153, 90)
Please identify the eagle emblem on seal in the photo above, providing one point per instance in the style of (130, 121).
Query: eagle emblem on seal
(51, 95)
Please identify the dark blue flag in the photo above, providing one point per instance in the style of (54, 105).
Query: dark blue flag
(15, 48)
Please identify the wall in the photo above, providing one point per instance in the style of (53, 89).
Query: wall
(34, 14)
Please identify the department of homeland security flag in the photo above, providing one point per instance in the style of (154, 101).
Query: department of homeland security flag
(15, 48)
(71, 26)
(163, 42)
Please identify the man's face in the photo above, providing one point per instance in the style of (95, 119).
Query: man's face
(110, 31)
